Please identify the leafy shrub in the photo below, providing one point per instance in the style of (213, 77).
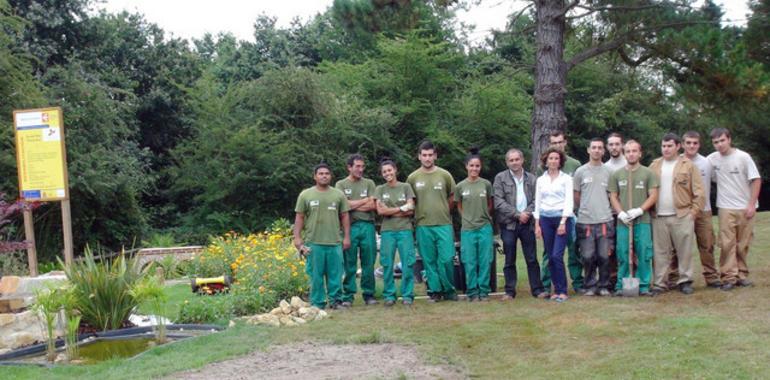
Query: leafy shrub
(161, 240)
(265, 268)
(207, 309)
(13, 263)
(103, 290)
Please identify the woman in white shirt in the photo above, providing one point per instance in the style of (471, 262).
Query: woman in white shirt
(553, 211)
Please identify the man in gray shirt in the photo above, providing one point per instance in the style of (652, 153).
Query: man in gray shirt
(595, 225)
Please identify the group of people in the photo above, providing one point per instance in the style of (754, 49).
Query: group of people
(615, 219)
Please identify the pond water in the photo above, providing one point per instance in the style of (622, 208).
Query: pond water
(105, 349)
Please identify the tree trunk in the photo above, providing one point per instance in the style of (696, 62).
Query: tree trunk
(550, 76)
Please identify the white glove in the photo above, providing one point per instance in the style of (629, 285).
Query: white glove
(624, 217)
(635, 213)
(406, 207)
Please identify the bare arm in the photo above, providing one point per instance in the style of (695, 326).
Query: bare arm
(652, 197)
(615, 202)
(756, 186)
(576, 199)
(345, 219)
(299, 224)
(365, 204)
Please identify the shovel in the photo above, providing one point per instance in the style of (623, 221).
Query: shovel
(631, 283)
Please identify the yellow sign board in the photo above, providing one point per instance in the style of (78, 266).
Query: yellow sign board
(40, 154)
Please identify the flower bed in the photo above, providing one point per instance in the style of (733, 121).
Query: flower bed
(264, 266)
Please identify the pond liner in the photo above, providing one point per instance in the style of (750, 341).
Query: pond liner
(112, 334)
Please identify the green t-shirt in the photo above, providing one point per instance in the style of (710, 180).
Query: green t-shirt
(570, 166)
(354, 191)
(474, 197)
(643, 179)
(395, 196)
(432, 191)
(322, 211)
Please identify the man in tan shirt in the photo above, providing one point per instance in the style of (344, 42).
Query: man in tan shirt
(680, 200)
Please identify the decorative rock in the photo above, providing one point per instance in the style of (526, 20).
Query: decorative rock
(285, 307)
(321, 315)
(287, 321)
(19, 339)
(297, 303)
(298, 320)
(276, 311)
(231, 324)
(8, 284)
(6, 319)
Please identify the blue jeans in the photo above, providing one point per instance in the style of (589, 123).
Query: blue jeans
(554, 248)
(526, 234)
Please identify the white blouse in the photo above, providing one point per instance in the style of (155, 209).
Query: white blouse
(554, 198)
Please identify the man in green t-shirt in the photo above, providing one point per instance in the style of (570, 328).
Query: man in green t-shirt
(433, 188)
(558, 140)
(363, 241)
(633, 191)
(320, 211)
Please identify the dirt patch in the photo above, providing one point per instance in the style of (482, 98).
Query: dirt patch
(327, 361)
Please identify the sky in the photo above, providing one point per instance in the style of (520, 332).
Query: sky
(193, 18)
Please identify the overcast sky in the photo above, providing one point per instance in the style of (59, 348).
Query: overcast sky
(193, 18)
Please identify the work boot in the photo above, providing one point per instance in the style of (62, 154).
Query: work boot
(744, 283)
(686, 288)
(716, 285)
(604, 292)
(407, 302)
(368, 301)
(433, 298)
(590, 293)
(389, 303)
(726, 286)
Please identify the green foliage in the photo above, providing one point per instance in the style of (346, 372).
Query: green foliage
(207, 309)
(161, 240)
(48, 304)
(13, 264)
(103, 290)
(149, 290)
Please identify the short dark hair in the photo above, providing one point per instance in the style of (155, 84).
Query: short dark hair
(353, 158)
(672, 137)
(321, 165)
(544, 157)
(426, 145)
(387, 161)
(596, 139)
(473, 152)
(615, 134)
(716, 132)
(692, 135)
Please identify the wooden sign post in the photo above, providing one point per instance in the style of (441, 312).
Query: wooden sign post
(42, 165)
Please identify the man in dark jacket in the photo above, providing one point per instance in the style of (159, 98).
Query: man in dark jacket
(514, 198)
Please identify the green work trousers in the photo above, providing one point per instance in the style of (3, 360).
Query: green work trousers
(326, 274)
(574, 264)
(437, 249)
(363, 245)
(404, 242)
(476, 255)
(642, 253)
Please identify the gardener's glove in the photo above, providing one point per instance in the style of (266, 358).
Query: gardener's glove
(624, 217)
(635, 213)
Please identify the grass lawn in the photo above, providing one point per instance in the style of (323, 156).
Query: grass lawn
(710, 334)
